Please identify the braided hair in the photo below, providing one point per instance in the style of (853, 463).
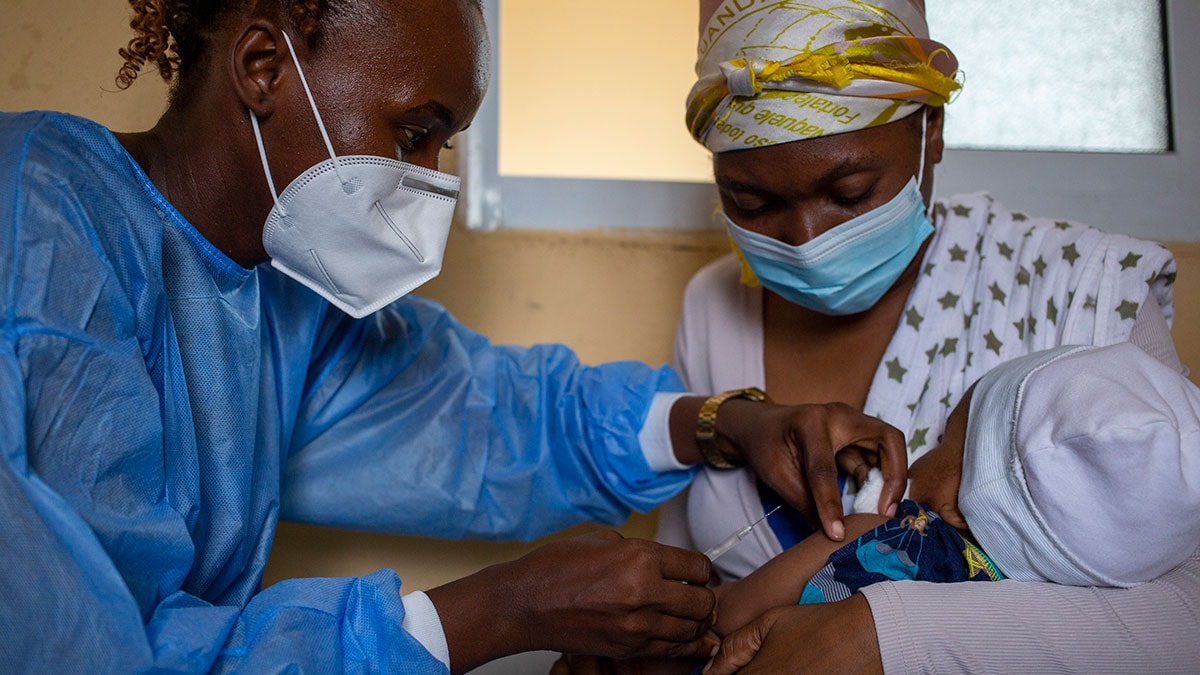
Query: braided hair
(172, 35)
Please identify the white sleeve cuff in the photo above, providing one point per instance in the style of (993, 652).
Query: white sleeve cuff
(421, 621)
(655, 436)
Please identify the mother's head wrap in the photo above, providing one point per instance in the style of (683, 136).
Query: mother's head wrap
(773, 71)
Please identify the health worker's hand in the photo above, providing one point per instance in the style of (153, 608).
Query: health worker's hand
(796, 451)
(597, 593)
(836, 637)
(574, 664)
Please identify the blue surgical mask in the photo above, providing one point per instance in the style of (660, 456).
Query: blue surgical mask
(847, 269)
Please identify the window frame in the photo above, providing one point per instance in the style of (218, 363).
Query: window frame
(1151, 196)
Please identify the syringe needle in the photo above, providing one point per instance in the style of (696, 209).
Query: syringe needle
(729, 542)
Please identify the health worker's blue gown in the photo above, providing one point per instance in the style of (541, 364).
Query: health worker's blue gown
(161, 408)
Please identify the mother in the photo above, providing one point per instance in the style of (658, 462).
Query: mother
(166, 397)
(825, 122)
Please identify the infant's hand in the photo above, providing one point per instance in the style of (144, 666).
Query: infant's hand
(935, 476)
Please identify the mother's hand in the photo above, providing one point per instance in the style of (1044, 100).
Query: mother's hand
(837, 637)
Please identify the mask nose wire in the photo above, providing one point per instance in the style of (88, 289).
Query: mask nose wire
(316, 113)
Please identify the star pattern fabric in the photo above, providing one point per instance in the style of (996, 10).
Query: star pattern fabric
(1006, 285)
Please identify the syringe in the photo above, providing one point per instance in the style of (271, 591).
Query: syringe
(720, 549)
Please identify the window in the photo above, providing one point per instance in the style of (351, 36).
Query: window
(1082, 128)
(1031, 81)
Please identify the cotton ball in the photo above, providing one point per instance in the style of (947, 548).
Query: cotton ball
(867, 498)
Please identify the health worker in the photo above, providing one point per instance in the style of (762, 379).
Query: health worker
(208, 326)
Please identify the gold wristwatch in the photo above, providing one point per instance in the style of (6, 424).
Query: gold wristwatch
(706, 425)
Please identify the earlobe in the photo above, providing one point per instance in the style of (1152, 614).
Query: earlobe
(256, 59)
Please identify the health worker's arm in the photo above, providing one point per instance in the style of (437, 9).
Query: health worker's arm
(412, 423)
(127, 545)
(96, 575)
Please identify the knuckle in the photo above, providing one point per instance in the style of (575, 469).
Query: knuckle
(646, 547)
(609, 534)
(681, 633)
(636, 627)
(811, 412)
(841, 408)
(628, 597)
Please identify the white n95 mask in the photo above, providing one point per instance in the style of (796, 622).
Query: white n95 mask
(360, 230)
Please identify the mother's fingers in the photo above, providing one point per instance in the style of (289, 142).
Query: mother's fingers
(820, 470)
(802, 468)
(820, 438)
(857, 462)
(893, 462)
(739, 647)
(858, 434)
(700, 648)
(801, 448)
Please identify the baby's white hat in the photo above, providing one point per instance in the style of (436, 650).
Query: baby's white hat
(1082, 466)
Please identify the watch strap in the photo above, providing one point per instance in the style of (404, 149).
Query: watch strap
(706, 425)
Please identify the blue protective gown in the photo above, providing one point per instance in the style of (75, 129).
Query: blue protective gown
(162, 407)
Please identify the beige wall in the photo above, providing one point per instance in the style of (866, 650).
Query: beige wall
(651, 76)
(609, 295)
(62, 55)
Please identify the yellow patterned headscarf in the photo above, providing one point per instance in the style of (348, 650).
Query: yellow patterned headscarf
(773, 71)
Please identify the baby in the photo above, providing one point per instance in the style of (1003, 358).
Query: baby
(1078, 465)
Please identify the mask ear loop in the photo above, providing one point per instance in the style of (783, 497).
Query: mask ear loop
(262, 154)
(337, 168)
(262, 151)
(313, 104)
(921, 167)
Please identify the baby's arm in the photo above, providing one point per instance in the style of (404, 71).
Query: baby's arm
(782, 579)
